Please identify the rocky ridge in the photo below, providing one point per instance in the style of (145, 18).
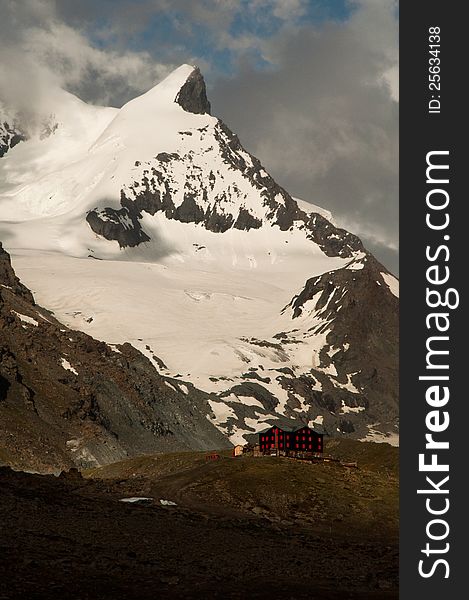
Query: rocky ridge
(211, 198)
(351, 389)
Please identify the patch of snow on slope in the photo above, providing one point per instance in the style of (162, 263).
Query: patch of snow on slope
(351, 409)
(379, 438)
(237, 438)
(308, 208)
(392, 283)
(349, 385)
(260, 423)
(303, 406)
(310, 305)
(356, 266)
(113, 347)
(330, 370)
(26, 319)
(221, 411)
(44, 318)
(67, 366)
(243, 399)
(171, 386)
(136, 499)
(332, 351)
(279, 393)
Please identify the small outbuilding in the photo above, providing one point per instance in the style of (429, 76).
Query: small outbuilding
(238, 450)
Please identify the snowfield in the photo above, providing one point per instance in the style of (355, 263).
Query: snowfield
(194, 312)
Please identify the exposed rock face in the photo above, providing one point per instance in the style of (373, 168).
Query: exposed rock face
(10, 136)
(67, 399)
(120, 225)
(228, 207)
(361, 319)
(8, 278)
(193, 95)
(351, 388)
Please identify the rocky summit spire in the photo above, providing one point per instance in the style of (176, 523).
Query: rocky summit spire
(193, 96)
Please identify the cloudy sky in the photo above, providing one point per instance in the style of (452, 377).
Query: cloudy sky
(310, 86)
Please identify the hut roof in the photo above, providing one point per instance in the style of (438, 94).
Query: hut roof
(288, 429)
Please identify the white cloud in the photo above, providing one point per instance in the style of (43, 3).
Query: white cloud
(73, 60)
(44, 54)
(288, 10)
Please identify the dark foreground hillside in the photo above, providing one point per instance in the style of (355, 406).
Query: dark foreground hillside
(228, 536)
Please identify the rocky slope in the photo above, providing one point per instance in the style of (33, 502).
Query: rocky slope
(67, 399)
(359, 320)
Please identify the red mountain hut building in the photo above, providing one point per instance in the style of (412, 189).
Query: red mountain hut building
(301, 439)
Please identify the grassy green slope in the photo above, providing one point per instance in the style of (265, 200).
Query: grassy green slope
(326, 497)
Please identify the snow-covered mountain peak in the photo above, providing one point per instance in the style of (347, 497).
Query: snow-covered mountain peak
(153, 121)
(241, 289)
(161, 155)
(185, 86)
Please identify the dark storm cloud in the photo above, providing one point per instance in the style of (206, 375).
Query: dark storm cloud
(324, 121)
